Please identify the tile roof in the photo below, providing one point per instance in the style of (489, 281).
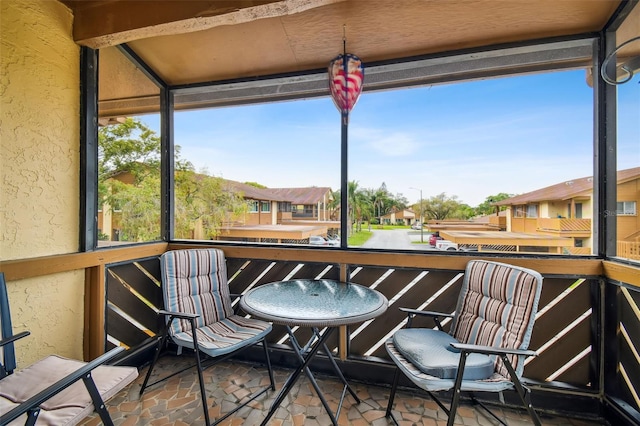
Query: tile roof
(253, 193)
(566, 190)
(308, 195)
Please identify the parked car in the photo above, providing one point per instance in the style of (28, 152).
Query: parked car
(319, 240)
(416, 225)
(434, 238)
(451, 246)
(446, 245)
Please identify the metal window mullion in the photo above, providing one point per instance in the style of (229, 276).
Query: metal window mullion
(88, 149)
(605, 153)
(167, 165)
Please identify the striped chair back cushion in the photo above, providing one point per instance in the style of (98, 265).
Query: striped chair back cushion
(497, 307)
(195, 281)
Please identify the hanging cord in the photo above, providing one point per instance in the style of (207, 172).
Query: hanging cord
(605, 64)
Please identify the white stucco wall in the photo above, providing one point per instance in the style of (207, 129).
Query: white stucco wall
(39, 171)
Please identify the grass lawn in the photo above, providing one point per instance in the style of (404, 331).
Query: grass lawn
(359, 238)
(385, 227)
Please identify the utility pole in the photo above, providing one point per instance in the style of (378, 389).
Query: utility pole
(421, 221)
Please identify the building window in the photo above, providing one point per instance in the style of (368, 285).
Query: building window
(532, 210)
(265, 206)
(626, 208)
(253, 207)
(284, 206)
(518, 211)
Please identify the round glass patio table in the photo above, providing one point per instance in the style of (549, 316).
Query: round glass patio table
(314, 303)
(321, 305)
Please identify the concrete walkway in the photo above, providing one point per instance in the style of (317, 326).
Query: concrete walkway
(398, 239)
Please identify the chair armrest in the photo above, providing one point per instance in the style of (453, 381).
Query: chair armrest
(411, 313)
(183, 315)
(14, 338)
(490, 350)
(59, 386)
(426, 313)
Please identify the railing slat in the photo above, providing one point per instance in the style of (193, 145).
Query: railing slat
(562, 350)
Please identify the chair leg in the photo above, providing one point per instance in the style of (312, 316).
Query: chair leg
(392, 395)
(456, 388)
(523, 391)
(266, 356)
(98, 402)
(32, 416)
(200, 376)
(257, 393)
(161, 342)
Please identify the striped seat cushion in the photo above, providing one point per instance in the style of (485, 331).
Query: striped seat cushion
(224, 336)
(497, 307)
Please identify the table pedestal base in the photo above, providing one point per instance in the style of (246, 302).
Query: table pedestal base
(305, 354)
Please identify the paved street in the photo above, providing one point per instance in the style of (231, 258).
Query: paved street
(399, 239)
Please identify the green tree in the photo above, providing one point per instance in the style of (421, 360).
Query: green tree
(129, 178)
(333, 205)
(487, 207)
(204, 204)
(381, 201)
(352, 201)
(440, 207)
(463, 212)
(129, 182)
(256, 185)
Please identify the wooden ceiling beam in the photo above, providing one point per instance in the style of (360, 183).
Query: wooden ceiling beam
(99, 24)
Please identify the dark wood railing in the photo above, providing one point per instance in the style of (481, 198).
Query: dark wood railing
(587, 330)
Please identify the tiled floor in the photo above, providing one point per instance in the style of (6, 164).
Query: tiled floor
(177, 402)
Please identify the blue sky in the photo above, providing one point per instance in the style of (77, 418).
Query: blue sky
(469, 140)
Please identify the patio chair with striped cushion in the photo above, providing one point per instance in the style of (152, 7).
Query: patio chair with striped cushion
(486, 346)
(199, 314)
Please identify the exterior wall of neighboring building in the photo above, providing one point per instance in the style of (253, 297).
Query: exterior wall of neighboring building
(260, 217)
(629, 225)
(39, 140)
(406, 217)
(309, 212)
(524, 224)
(274, 212)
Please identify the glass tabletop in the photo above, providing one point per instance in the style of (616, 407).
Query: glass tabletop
(314, 303)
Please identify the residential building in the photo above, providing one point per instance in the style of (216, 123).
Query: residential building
(399, 217)
(308, 203)
(566, 210)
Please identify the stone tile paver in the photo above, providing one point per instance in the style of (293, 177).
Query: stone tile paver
(177, 402)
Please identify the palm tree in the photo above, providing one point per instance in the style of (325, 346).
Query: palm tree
(352, 189)
(381, 201)
(333, 205)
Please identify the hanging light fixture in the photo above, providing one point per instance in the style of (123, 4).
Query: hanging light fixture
(346, 75)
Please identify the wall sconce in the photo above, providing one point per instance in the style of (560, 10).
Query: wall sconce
(625, 70)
